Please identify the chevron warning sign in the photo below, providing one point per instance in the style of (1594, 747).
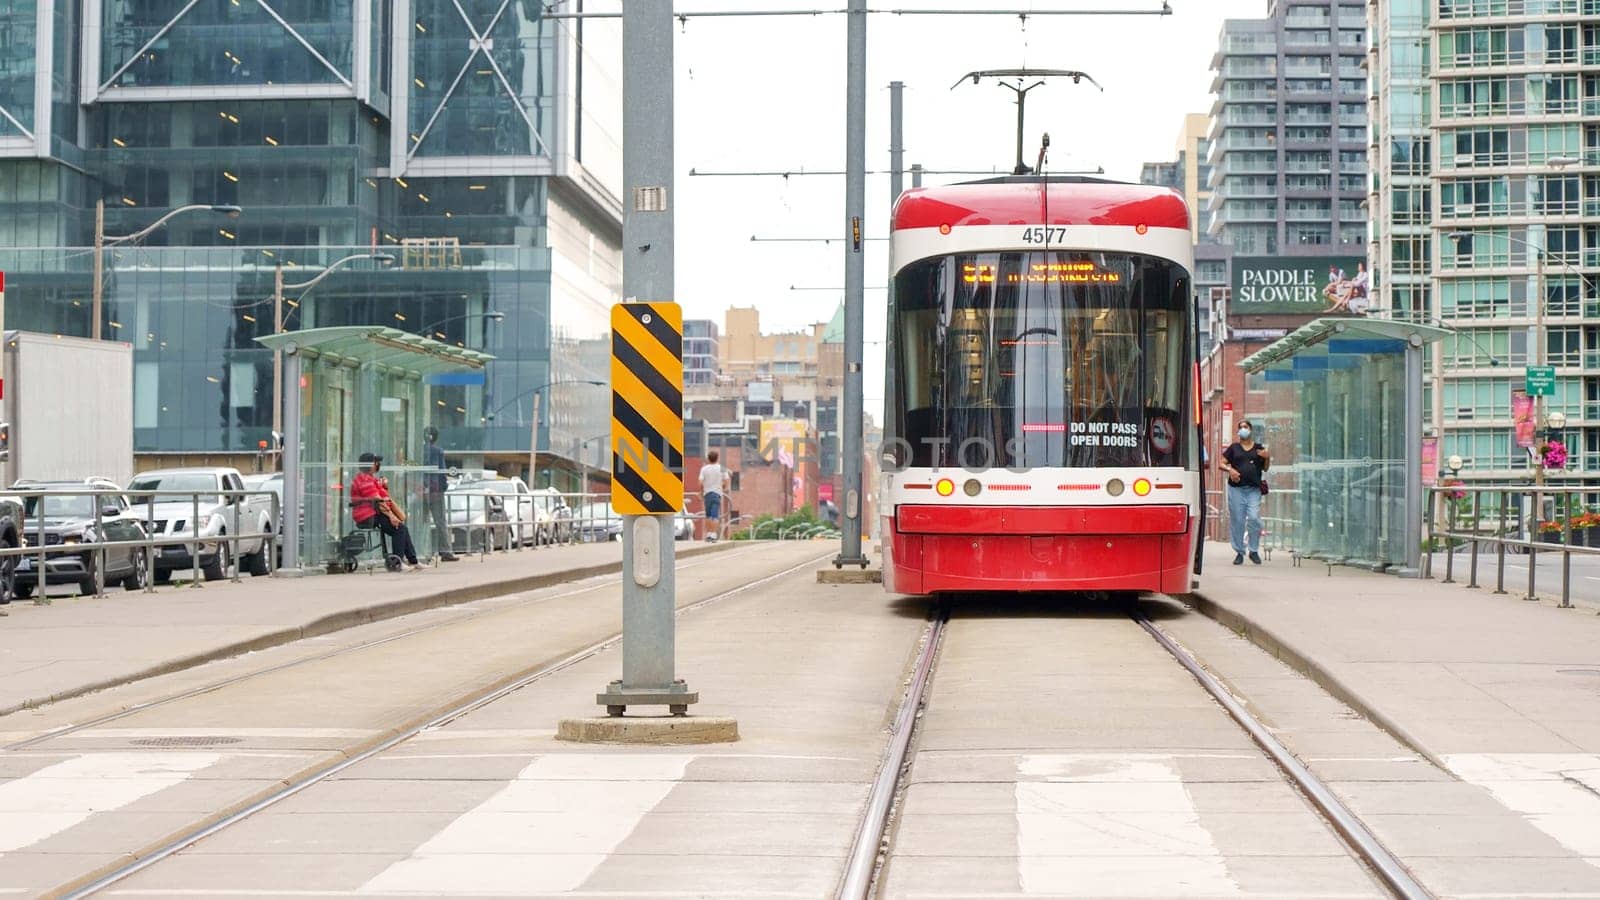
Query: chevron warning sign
(646, 408)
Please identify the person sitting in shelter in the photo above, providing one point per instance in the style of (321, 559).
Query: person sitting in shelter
(370, 500)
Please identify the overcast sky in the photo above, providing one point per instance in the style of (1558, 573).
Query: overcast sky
(768, 94)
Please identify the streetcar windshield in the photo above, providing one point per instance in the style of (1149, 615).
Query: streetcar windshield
(1033, 359)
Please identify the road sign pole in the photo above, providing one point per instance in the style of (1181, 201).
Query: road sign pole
(645, 414)
(855, 198)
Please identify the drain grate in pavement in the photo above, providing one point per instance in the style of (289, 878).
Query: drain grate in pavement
(197, 741)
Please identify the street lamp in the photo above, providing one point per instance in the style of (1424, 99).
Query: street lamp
(102, 240)
(1537, 336)
(304, 287)
(493, 315)
(533, 425)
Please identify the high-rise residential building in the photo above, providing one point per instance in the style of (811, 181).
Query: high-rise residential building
(1289, 130)
(1288, 151)
(478, 143)
(1503, 98)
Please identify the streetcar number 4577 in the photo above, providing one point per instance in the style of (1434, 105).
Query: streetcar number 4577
(1044, 235)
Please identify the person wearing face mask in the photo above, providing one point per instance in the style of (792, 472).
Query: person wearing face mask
(1245, 461)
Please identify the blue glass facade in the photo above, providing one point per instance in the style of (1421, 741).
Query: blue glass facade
(284, 109)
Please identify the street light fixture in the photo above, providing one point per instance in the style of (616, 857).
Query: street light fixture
(493, 315)
(304, 287)
(533, 425)
(1537, 337)
(103, 240)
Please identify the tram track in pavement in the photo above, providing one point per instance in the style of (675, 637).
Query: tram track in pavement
(873, 845)
(599, 583)
(435, 716)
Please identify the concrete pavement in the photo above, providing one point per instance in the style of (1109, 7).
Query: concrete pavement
(1487, 780)
(82, 644)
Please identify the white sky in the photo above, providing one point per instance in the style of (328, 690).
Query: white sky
(768, 94)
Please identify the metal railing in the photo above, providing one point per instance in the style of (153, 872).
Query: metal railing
(39, 543)
(1476, 516)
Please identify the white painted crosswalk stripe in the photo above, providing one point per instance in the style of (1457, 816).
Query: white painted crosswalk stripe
(1559, 793)
(1110, 825)
(545, 832)
(55, 798)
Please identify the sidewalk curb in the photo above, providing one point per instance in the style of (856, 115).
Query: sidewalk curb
(349, 618)
(1286, 653)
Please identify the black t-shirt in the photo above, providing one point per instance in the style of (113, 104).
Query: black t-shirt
(1249, 463)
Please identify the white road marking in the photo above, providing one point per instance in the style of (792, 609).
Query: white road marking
(55, 798)
(545, 832)
(1558, 792)
(1106, 825)
(257, 892)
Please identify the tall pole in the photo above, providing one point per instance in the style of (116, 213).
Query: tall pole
(855, 196)
(99, 266)
(533, 438)
(277, 362)
(649, 585)
(1538, 351)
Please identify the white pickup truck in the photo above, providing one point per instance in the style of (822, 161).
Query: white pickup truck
(178, 518)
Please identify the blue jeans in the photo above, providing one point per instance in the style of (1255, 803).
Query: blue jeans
(713, 507)
(1244, 515)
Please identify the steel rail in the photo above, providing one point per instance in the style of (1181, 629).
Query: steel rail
(1394, 875)
(475, 700)
(601, 581)
(862, 865)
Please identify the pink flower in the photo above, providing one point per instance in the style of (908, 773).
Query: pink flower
(1555, 455)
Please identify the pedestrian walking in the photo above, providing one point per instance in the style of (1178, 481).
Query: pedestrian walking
(433, 488)
(1245, 461)
(712, 484)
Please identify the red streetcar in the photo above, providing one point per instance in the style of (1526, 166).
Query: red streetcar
(1043, 412)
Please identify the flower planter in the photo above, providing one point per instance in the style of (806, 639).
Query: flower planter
(1550, 537)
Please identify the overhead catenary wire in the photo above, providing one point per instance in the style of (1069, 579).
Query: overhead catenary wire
(1165, 9)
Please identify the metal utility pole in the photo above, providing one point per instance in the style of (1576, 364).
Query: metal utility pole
(99, 271)
(1538, 355)
(855, 198)
(649, 587)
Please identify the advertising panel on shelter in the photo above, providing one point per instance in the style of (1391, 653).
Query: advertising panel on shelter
(1300, 285)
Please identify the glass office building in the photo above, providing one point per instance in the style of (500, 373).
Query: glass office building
(474, 141)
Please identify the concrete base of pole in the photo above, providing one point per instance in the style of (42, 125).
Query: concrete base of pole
(849, 576)
(649, 730)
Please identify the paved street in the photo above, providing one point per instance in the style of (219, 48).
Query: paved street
(1061, 753)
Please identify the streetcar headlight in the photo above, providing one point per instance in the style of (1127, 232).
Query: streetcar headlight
(972, 487)
(1141, 487)
(945, 487)
(1114, 487)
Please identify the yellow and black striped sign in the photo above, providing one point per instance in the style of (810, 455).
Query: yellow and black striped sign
(646, 408)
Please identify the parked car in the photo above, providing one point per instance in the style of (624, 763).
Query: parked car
(273, 481)
(683, 526)
(555, 517)
(68, 521)
(180, 519)
(599, 522)
(477, 517)
(521, 505)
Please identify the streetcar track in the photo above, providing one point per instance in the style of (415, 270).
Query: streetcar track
(871, 849)
(335, 653)
(474, 700)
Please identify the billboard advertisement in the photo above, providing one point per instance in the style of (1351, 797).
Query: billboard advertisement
(783, 440)
(1299, 285)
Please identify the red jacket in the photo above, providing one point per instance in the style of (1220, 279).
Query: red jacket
(366, 487)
